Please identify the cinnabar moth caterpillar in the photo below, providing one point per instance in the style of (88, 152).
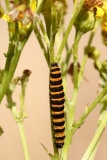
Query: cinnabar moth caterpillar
(57, 104)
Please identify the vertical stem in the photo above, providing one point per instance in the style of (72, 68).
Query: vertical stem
(75, 90)
(8, 75)
(23, 139)
(38, 36)
(40, 6)
(69, 29)
(14, 61)
(96, 138)
(7, 5)
(75, 59)
(71, 105)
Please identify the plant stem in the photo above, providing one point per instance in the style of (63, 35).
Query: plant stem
(14, 61)
(40, 6)
(38, 35)
(46, 39)
(92, 106)
(96, 138)
(80, 76)
(71, 105)
(23, 139)
(75, 59)
(92, 156)
(7, 5)
(68, 30)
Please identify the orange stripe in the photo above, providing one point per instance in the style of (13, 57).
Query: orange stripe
(59, 112)
(53, 93)
(55, 72)
(54, 67)
(55, 79)
(60, 141)
(55, 86)
(58, 99)
(59, 134)
(58, 106)
(59, 120)
(59, 127)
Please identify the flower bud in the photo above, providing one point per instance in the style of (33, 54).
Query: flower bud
(93, 52)
(104, 66)
(85, 21)
(98, 65)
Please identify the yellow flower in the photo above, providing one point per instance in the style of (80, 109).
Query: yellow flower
(99, 12)
(21, 13)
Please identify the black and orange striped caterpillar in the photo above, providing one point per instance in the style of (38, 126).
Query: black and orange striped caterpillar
(57, 104)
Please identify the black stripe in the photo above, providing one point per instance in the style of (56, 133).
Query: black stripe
(59, 123)
(59, 145)
(54, 65)
(60, 138)
(54, 69)
(56, 89)
(60, 95)
(57, 116)
(57, 108)
(57, 75)
(54, 83)
(57, 102)
(59, 130)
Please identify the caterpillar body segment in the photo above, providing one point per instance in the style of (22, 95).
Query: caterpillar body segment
(57, 104)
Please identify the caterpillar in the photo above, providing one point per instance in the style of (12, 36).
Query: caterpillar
(57, 104)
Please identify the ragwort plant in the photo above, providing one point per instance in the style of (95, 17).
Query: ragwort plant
(23, 17)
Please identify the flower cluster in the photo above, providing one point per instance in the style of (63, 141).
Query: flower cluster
(21, 13)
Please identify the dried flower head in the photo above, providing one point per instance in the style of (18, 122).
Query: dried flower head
(64, 4)
(92, 3)
(21, 12)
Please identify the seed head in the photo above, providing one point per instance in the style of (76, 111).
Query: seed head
(92, 3)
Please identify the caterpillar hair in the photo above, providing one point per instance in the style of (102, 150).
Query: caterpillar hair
(57, 104)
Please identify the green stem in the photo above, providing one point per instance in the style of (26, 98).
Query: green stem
(80, 76)
(75, 5)
(87, 112)
(75, 59)
(92, 156)
(46, 39)
(96, 138)
(101, 117)
(71, 105)
(81, 72)
(40, 6)
(92, 106)
(68, 30)
(38, 35)
(23, 139)
(9, 74)
(19, 122)
(68, 56)
(10, 54)
(7, 5)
